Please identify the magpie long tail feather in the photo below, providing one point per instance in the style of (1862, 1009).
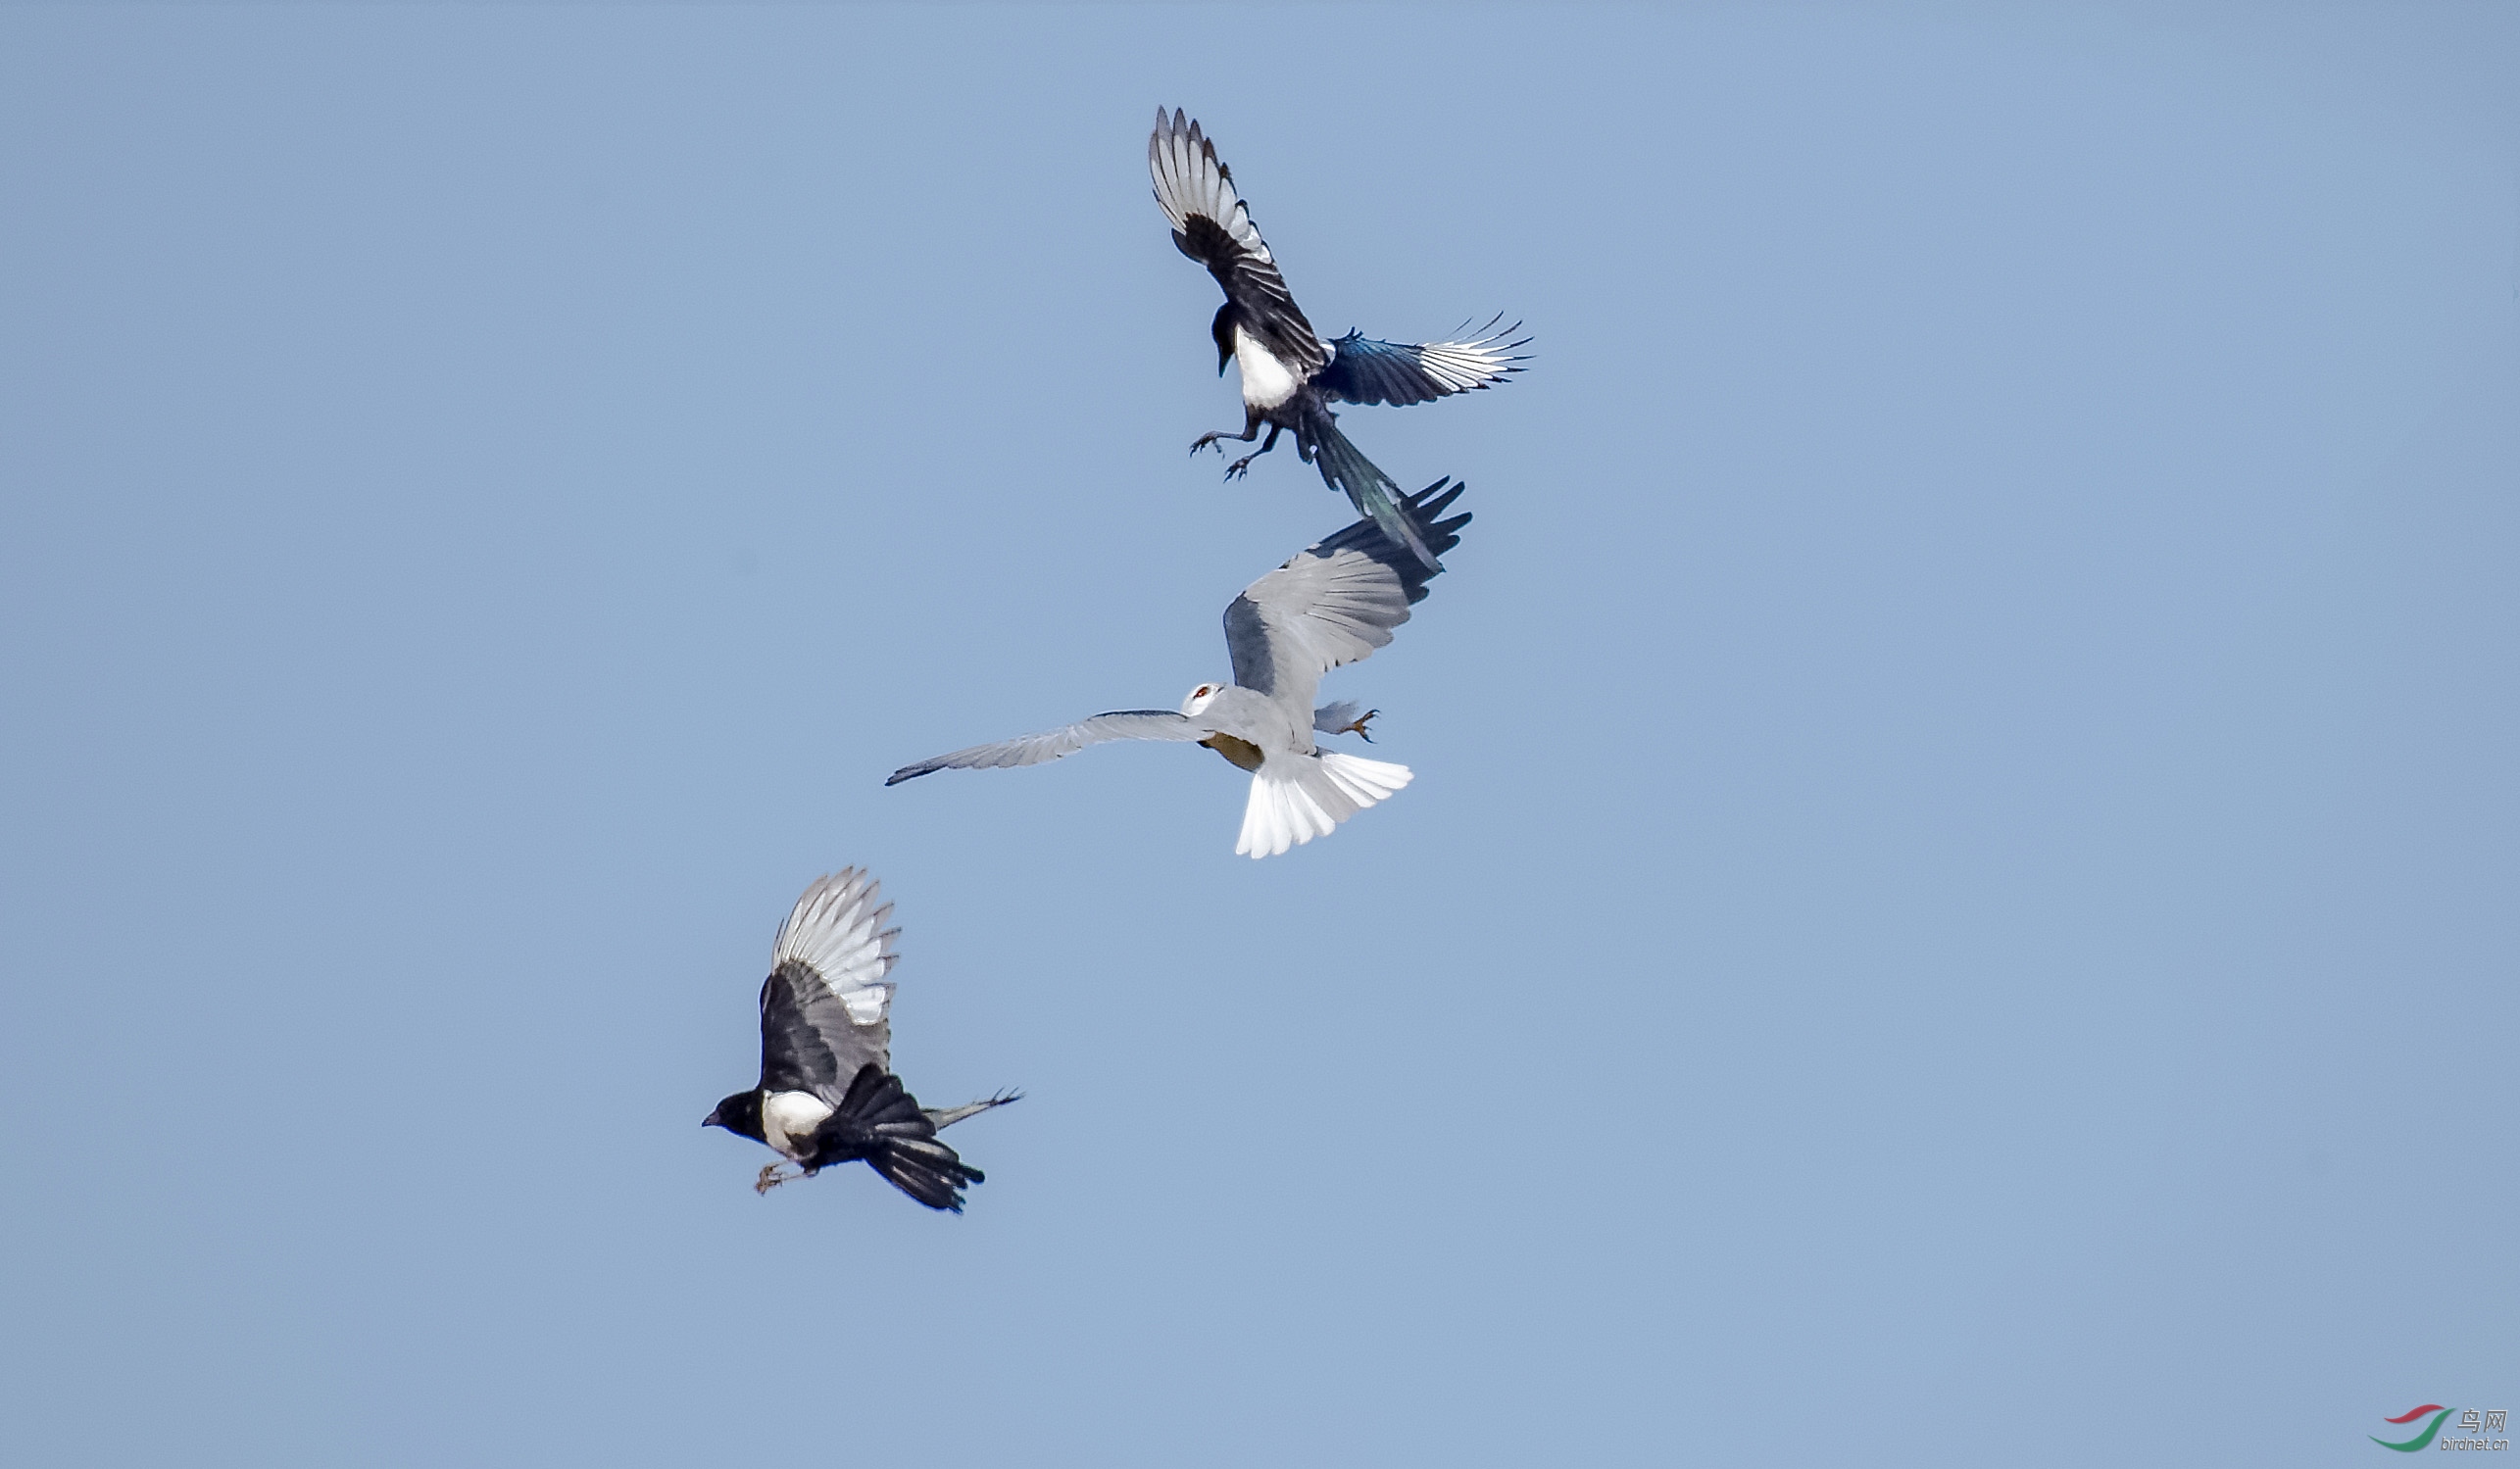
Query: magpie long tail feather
(875, 1097)
(1345, 467)
(946, 1116)
(934, 1181)
(880, 1121)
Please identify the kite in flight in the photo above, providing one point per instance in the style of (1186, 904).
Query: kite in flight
(1334, 602)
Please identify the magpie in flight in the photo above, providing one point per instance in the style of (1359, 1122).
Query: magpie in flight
(827, 1095)
(1290, 375)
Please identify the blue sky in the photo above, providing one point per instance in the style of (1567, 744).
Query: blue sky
(1957, 899)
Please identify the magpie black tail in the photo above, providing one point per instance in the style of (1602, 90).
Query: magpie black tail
(1344, 468)
(879, 1121)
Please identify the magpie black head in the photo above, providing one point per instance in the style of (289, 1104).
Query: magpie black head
(1222, 329)
(740, 1115)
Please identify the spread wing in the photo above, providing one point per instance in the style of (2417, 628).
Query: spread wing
(1211, 225)
(826, 1007)
(1335, 602)
(1049, 745)
(1364, 370)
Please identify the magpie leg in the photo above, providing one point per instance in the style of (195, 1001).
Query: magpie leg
(1251, 432)
(771, 1178)
(1241, 466)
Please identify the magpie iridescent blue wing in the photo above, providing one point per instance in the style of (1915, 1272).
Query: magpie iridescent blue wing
(1335, 602)
(1213, 225)
(1364, 370)
(1049, 745)
(825, 1008)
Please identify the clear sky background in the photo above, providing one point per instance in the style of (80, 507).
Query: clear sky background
(1958, 904)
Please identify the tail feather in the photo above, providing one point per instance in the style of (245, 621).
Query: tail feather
(880, 1121)
(875, 1097)
(946, 1116)
(1297, 798)
(927, 1152)
(1344, 468)
(938, 1185)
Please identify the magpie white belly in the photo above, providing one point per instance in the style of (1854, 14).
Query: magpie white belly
(1267, 382)
(789, 1118)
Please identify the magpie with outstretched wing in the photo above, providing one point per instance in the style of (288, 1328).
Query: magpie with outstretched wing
(1290, 375)
(1332, 603)
(828, 1094)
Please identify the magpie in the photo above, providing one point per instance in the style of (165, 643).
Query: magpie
(1290, 375)
(827, 1095)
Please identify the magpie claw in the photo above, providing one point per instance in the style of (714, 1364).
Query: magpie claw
(770, 1178)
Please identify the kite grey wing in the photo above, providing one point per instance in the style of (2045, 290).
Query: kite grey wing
(1213, 225)
(1335, 602)
(827, 1007)
(1032, 749)
(1364, 370)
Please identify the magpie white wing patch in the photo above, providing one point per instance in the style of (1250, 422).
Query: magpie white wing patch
(1190, 183)
(836, 930)
(1213, 225)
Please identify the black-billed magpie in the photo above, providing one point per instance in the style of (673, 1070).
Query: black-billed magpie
(1290, 375)
(827, 1095)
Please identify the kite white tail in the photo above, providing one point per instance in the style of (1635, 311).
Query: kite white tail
(1295, 798)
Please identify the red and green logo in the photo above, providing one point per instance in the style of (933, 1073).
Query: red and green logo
(2423, 1440)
